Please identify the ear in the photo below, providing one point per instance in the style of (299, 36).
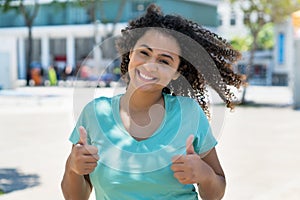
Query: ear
(130, 53)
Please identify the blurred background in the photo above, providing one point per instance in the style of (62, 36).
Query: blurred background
(56, 55)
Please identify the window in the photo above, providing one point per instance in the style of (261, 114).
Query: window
(232, 19)
(220, 20)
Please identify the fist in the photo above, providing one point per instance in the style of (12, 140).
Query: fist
(83, 157)
(189, 168)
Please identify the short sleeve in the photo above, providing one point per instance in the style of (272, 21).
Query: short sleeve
(204, 140)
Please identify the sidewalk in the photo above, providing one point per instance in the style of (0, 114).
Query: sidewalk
(258, 147)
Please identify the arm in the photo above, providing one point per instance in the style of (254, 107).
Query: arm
(75, 186)
(213, 187)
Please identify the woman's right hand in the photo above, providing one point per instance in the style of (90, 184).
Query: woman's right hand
(83, 158)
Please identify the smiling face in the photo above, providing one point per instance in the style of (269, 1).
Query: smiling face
(154, 61)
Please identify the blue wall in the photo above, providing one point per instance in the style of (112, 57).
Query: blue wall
(54, 14)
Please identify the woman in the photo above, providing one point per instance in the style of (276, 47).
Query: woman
(154, 141)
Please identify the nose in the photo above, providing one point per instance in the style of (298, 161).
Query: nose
(151, 65)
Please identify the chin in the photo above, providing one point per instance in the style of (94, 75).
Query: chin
(148, 87)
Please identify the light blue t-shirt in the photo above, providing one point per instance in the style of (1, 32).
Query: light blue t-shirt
(129, 169)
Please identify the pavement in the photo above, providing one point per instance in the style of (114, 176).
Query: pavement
(258, 143)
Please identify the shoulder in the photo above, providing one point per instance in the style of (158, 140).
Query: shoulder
(98, 103)
(185, 102)
(189, 106)
(102, 100)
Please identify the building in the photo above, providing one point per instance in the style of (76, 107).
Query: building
(284, 53)
(273, 67)
(65, 34)
(231, 21)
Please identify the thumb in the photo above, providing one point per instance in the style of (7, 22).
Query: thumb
(83, 136)
(189, 145)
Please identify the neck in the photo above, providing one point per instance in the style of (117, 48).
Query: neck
(139, 101)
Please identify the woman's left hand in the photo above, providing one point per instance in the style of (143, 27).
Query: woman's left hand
(190, 168)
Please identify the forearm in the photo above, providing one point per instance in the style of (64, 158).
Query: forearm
(74, 186)
(213, 188)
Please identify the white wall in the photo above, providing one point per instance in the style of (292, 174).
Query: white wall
(229, 31)
(8, 59)
(296, 76)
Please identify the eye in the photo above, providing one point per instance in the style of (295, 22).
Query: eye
(144, 53)
(165, 62)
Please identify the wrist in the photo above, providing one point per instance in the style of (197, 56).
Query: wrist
(206, 181)
(207, 175)
(70, 170)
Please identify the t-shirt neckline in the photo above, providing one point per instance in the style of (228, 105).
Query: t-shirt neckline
(155, 136)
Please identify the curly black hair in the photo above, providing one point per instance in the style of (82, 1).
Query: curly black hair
(206, 59)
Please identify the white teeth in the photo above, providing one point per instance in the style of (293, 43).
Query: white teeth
(146, 77)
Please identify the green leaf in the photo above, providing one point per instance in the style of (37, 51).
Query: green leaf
(241, 43)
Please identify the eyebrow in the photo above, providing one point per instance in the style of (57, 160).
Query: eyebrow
(150, 49)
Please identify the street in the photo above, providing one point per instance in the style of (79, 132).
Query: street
(258, 144)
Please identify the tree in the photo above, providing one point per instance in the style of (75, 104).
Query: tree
(265, 40)
(266, 37)
(257, 14)
(91, 8)
(29, 13)
(241, 43)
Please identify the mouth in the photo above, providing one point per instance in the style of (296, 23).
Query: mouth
(145, 77)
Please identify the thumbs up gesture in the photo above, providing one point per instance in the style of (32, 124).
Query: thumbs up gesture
(189, 168)
(83, 158)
